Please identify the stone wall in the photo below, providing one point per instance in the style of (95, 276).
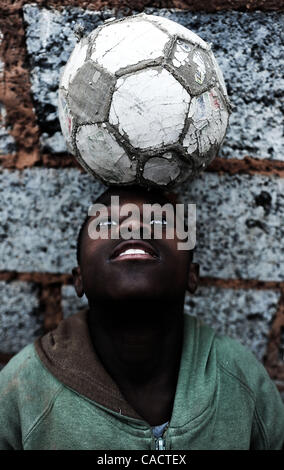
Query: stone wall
(240, 204)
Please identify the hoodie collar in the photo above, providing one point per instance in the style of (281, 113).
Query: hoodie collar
(69, 355)
(67, 352)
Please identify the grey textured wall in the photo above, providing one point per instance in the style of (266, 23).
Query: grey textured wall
(240, 203)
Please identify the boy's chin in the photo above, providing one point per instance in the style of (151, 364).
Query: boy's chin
(129, 294)
(134, 295)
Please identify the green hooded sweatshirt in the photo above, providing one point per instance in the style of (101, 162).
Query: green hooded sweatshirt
(56, 394)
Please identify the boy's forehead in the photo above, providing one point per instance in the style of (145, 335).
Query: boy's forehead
(128, 195)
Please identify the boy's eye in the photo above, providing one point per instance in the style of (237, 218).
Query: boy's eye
(107, 222)
(161, 221)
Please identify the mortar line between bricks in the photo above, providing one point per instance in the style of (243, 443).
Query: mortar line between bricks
(16, 79)
(50, 304)
(247, 166)
(133, 5)
(47, 279)
(273, 362)
(232, 166)
(255, 284)
(42, 278)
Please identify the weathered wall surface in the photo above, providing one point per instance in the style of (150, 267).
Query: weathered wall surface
(240, 204)
(248, 51)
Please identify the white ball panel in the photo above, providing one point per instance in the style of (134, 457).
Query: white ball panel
(102, 153)
(75, 61)
(219, 75)
(209, 120)
(66, 120)
(150, 108)
(124, 44)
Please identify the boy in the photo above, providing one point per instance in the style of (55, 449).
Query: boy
(135, 372)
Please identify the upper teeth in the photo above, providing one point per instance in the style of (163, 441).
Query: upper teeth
(132, 251)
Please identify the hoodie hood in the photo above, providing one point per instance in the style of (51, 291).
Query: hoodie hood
(69, 355)
(67, 352)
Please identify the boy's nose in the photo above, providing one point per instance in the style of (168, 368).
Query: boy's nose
(136, 227)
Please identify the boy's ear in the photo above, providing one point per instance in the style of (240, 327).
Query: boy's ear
(193, 277)
(77, 280)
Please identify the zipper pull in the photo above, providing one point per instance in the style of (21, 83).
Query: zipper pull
(160, 444)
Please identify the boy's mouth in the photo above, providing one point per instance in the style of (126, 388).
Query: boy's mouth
(134, 250)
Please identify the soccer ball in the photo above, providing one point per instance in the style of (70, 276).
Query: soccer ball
(143, 101)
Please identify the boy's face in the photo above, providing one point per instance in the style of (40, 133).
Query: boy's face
(108, 271)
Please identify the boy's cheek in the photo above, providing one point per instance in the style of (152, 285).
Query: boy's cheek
(95, 249)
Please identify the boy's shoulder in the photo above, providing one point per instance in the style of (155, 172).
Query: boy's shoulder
(24, 366)
(25, 381)
(239, 364)
(247, 386)
(233, 360)
(231, 354)
(19, 367)
(238, 360)
(27, 391)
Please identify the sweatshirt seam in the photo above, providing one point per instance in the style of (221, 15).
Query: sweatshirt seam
(89, 379)
(243, 384)
(113, 395)
(107, 411)
(45, 412)
(261, 428)
(79, 374)
(256, 414)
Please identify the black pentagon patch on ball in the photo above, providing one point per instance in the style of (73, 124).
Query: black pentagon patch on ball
(89, 93)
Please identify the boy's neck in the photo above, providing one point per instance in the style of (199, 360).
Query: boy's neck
(139, 344)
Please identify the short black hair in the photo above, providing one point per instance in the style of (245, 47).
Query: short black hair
(79, 238)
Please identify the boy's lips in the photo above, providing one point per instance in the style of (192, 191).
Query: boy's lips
(134, 250)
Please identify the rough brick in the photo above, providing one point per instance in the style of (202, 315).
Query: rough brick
(20, 318)
(15, 93)
(242, 314)
(248, 49)
(240, 227)
(40, 217)
(7, 142)
(50, 41)
(247, 46)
